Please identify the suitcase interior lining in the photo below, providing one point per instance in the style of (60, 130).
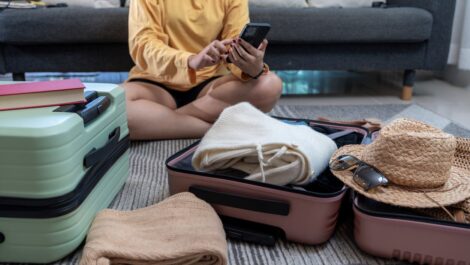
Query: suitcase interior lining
(326, 185)
(378, 209)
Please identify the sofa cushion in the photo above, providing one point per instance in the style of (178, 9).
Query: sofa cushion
(341, 3)
(346, 25)
(279, 3)
(289, 25)
(64, 25)
(88, 3)
(2, 60)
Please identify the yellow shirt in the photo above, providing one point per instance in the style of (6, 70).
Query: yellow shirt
(164, 33)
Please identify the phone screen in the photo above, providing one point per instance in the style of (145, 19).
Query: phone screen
(255, 33)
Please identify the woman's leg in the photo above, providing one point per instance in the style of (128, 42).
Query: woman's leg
(263, 93)
(151, 115)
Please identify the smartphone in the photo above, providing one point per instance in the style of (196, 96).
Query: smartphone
(255, 33)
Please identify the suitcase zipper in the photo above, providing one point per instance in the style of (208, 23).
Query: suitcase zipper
(388, 213)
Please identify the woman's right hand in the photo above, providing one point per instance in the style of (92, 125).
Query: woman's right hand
(211, 55)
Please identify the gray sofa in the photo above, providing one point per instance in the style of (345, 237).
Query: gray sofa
(405, 36)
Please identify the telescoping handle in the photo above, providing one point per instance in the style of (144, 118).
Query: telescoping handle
(241, 202)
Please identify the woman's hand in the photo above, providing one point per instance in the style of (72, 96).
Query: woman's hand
(211, 55)
(249, 59)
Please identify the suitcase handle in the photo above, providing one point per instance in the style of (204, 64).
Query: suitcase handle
(89, 96)
(89, 111)
(97, 155)
(248, 234)
(94, 109)
(236, 201)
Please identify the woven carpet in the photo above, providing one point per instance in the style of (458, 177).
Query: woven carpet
(147, 184)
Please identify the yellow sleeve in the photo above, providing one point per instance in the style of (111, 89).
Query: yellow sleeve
(236, 17)
(148, 45)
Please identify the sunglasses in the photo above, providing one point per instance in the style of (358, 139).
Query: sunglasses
(365, 175)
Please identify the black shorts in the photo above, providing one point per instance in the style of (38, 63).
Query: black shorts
(181, 97)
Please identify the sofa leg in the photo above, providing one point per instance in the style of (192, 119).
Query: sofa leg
(19, 77)
(408, 83)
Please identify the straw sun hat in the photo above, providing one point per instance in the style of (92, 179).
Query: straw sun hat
(425, 167)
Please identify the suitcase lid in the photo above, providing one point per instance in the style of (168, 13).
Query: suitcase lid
(45, 127)
(382, 210)
(42, 150)
(41, 125)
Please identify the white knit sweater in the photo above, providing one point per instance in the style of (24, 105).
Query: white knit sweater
(267, 149)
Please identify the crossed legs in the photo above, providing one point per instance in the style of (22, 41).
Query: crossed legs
(152, 112)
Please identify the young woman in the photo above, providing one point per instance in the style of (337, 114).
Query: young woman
(181, 80)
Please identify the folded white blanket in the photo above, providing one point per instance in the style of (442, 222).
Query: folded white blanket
(267, 149)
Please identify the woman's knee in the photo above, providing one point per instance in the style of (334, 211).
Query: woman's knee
(267, 91)
(131, 94)
(131, 106)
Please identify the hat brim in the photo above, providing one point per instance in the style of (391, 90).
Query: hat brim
(440, 214)
(456, 189)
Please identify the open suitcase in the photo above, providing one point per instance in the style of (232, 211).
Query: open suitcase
(399, 233)
(58, 168)
(260, 212)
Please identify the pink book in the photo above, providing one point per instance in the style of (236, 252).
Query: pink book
(41, 94)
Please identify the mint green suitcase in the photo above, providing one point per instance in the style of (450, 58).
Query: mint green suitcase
(58, 168)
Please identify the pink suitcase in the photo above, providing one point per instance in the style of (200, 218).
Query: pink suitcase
(259, 212)
(401, 234)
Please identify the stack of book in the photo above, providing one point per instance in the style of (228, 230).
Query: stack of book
(41, 94)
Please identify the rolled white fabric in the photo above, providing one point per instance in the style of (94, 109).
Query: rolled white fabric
(267, 149)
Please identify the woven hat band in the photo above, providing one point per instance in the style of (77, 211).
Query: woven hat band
(412, 154)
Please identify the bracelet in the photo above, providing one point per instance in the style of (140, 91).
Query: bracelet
(260, 73)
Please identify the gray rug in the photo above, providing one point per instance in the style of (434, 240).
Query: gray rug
(147, 184)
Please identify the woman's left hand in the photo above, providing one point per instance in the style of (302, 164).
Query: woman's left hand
(249, 59)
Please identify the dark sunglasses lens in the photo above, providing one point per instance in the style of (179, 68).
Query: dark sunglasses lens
(368, 177)
(344, 162)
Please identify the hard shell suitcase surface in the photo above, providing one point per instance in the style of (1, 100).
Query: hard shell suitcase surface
(260, 212)
(58, 167)
(399, 233)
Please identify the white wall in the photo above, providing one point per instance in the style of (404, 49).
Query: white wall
(457, 77)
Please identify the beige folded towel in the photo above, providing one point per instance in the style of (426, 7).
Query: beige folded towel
(267, 149)
(179, 230)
